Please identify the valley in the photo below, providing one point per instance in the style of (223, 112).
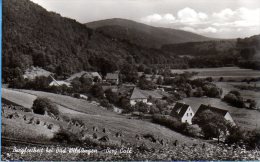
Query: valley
(115, 84)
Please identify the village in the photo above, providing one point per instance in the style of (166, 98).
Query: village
(153, 97)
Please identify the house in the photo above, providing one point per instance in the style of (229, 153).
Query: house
(93, 76)
(221, 112)
(137, 96)
(112, 78)
(183, 111)
(113, 88)
(33, 72)
(59, 83)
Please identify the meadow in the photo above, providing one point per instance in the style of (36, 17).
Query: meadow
(228, 73)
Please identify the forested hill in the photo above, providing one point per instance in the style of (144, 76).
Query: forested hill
(34, 36)
(142, 34)
(201, 48)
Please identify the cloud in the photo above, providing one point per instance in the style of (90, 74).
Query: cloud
(224, 14)
(223, 22)
(241, 17)
(156, 18)
(200, 30)
(190, 16)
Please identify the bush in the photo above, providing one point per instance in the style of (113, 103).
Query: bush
(43, 105)
(170, 122)
(64, 136)
(142, 107)
(234, 99)
(194, 130)
(76, 95)
(106, 104)
(97, 91)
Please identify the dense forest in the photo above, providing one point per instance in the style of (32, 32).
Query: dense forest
(32, 36)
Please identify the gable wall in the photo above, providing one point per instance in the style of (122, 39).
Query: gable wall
(188, 115)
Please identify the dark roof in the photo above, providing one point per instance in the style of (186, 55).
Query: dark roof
(213, 109)
(179, 109)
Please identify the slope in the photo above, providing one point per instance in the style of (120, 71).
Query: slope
(141, 34)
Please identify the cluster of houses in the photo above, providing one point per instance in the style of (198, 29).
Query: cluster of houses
(185, 112)
(181, 110)
(111, 78)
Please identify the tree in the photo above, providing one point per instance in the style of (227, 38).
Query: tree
(129, 73)
(142, 107)
(212, 124)
(247, 53)
(44, 105)
(76, 85)
(212, 91)
(234, 98)
(97, 91)
(160, 81)
(145, 84)
(111, 96)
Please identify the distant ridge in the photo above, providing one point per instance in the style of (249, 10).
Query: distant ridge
(142, 34)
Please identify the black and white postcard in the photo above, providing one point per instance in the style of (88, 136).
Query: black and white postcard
(123, 80)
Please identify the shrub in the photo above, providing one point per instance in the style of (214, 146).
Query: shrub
(170, 122)
(106, 104)
(194, 130)
(234, 99)
(64, 136)
(76, 95)
(142, 107)
(97, 91)
(42, 105)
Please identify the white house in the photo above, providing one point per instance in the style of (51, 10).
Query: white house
(221, 112)
(184, 112)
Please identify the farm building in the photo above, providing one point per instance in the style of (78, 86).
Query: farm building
(93, 76)
(59, 83)
(184, 112)
(137, 96)
(33, 72)
(221, 112)
(112, 78)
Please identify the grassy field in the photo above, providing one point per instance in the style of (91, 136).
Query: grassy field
(91, 116)
(248, 119)
(94, 116)
(228, 73)
(249, 94)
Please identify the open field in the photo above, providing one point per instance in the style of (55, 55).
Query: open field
(248, 119)
(228, 73)
(248, 94)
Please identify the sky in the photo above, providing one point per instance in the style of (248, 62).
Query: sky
(218, 18)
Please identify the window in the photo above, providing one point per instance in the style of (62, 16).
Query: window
(186, 121)
(190, 114)
(187, 114)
